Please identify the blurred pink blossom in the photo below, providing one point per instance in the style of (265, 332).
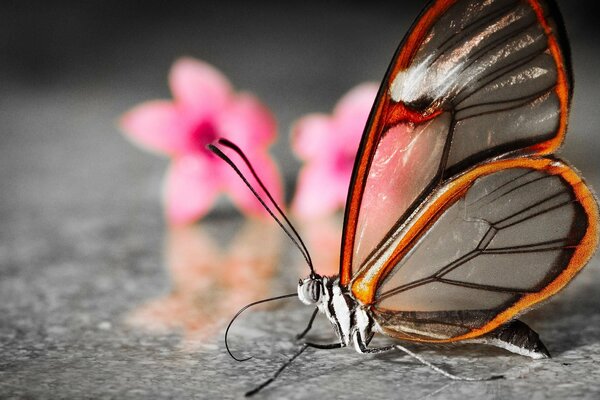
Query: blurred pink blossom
(328, 145)
(204, 108)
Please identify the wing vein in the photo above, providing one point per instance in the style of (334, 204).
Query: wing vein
(546, 210)
(544, 92)
(473, 27)
(484, 287)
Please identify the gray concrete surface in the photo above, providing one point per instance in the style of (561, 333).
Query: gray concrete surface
(99, 300)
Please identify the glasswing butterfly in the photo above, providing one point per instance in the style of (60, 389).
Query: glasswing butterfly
(459, 217)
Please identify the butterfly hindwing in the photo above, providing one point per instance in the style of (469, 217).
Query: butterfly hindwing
(489, 245)
(472, 81)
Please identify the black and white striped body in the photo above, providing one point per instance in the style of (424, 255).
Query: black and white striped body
(355, 325)
(351, 322)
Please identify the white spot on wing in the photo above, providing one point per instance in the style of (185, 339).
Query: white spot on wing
(409, 85)
(439, 76)
(425, 81)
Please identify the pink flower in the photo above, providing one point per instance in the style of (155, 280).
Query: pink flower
(204, 108)
(328, 145)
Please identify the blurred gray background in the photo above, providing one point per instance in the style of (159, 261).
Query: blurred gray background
(81, 228)
(68, 70)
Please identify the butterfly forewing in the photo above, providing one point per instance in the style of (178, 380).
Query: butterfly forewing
(473, 80)
(504, 236)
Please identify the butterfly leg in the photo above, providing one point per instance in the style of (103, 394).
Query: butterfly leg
(310, 322)
(324, 346)
(361, 347)
(277, 373)
(288, 362)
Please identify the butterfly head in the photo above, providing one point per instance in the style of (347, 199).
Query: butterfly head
(310, 290)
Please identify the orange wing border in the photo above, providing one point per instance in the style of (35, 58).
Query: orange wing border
(405, 52)
(364, 285)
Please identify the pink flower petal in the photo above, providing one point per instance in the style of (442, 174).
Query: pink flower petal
(311, 135)
(317, 193)
(329, 145)
(204, 108)
(351, 114)
(247, 122)
(198, 87)
(158, 126)
(191, 189)
(357, 103)
(242, 196)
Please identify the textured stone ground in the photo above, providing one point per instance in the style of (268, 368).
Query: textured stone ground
(99, 300)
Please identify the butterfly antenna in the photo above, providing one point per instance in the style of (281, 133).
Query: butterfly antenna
(441, 371)
(290, 231)
(285, 296)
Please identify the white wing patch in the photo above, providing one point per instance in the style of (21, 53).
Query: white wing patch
(422, 81)
(416, 82)
(441, 75)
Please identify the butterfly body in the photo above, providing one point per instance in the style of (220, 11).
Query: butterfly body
(352, 323)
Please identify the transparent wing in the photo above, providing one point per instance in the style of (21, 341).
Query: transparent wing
(473, 80)
(498, 240)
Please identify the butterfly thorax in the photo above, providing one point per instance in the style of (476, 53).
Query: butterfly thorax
(351, 322)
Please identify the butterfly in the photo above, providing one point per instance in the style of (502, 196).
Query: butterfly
(459, 216)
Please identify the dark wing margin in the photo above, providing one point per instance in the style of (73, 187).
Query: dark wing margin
(473, 81)
(491, 244)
